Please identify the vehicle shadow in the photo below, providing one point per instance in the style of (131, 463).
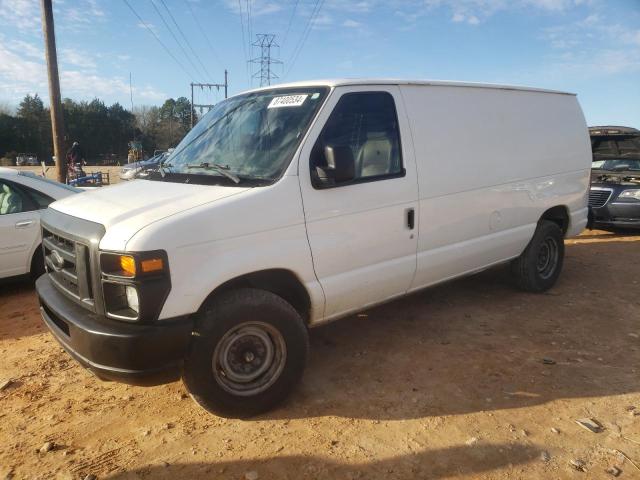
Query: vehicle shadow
(432, 464)
(605, 235)
(478, 344)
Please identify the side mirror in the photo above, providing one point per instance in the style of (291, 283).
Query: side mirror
(340, 166)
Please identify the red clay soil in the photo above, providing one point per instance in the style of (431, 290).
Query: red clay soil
(451, 382)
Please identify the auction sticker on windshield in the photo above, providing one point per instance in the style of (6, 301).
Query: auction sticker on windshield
(287, 101)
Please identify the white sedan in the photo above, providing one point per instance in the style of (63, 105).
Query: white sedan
(22, 196)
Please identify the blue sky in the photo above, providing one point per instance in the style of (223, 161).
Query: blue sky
(591, 47)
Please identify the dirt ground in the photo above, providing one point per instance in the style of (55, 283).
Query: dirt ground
(451, 382)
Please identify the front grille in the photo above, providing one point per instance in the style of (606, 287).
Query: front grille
(67, 263)
(599, 197)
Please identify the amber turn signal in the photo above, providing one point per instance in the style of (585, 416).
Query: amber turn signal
(152, 265)
(128, 265)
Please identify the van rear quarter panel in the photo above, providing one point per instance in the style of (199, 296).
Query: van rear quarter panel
(490, 161)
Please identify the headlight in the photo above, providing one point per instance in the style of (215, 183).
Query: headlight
(634, 194)
(130, 266)
(134, 284)
(132, 299)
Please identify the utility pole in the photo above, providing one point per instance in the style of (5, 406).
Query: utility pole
(202, 86)
(265, 41)
(57, 122)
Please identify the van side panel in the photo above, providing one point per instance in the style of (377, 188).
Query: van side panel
(490, 163)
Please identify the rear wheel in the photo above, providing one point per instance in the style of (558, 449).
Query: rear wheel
(248, 354)
(538, 267)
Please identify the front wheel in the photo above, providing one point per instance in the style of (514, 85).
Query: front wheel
(538, 267)
(247, 355)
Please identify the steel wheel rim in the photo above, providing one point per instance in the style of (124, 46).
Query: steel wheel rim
(249, 358)
(547, 257)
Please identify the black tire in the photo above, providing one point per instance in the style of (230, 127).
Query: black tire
(249, 332)
(538, 267)
(37, 264)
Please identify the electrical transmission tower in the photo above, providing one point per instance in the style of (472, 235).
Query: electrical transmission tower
(202, 86)
(266, 42)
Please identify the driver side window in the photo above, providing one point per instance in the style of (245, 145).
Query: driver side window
(11, 200)
(366, 124)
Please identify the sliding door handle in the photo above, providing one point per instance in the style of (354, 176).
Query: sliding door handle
(411, 218)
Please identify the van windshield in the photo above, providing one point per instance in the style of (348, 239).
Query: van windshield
(247, 137)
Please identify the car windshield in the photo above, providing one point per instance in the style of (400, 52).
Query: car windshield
(614, 165)
(250, 136)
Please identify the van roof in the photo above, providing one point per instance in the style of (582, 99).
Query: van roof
(395, 81)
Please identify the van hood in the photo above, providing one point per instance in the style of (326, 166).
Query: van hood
(133, 205)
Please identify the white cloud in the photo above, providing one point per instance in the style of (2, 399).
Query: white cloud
(85, 12)
(21, 74)
(23, 15)
(77, 58)
(352, 7)
(148, 25)
(258, 7)
(345, 65)
(27, 49)
(473, 12)
(323, 20)
(593, 64)
(593, 47)
(77, 83)
(464, 18)
(351, 24)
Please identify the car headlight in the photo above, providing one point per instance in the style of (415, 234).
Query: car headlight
(132, 299)
(632, 193)
(134, 284)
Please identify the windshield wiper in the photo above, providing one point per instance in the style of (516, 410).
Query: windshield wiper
(163, 168)
(221, 169)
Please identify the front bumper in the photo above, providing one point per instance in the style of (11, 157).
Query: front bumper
(617, 215)
(148, 354)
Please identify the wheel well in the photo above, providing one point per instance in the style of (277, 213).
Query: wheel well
(281, 282)
(37, 253)
(558, 214)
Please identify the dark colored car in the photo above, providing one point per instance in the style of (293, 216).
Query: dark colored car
(614, 196)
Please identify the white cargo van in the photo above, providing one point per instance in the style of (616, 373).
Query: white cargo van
(290, 206)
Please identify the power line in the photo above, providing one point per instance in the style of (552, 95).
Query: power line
(244, 45)
(158, 40)
(186, 55)
(204, 34)
(293, 14)
(249, 22)
(195, 54)
(316, 10)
